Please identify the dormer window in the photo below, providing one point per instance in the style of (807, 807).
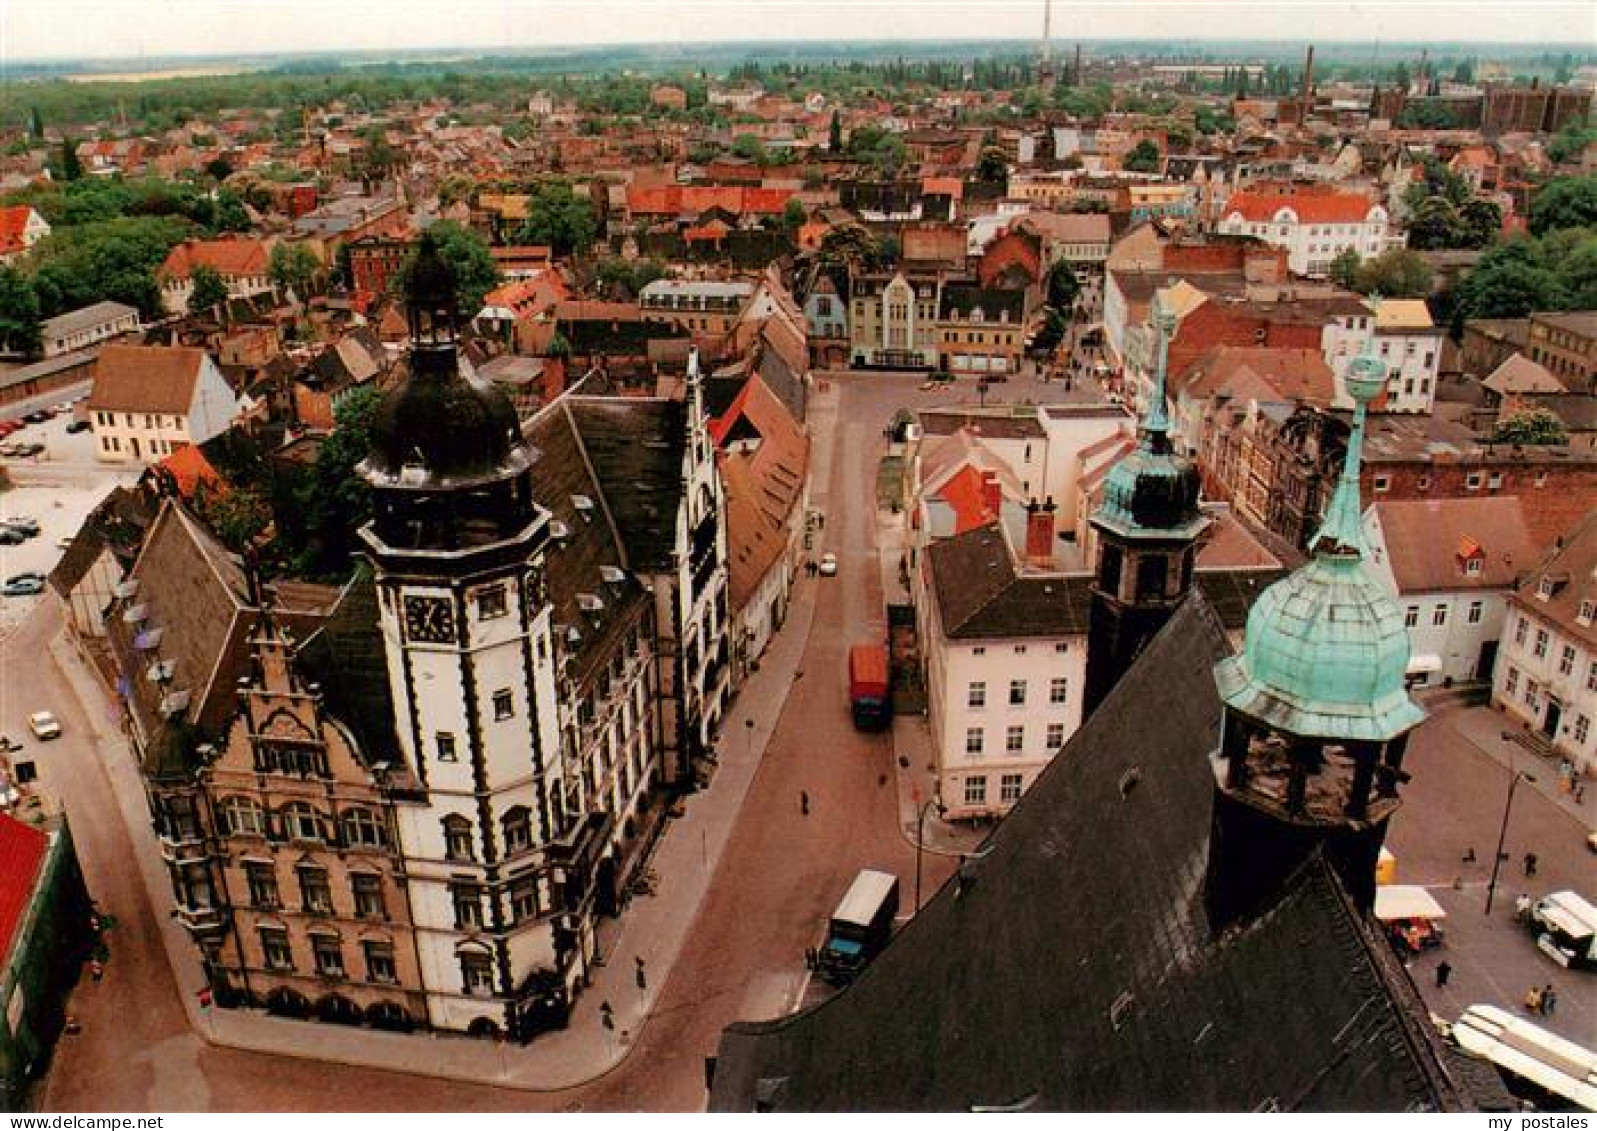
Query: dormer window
(584, 506)
(559, 530)
(1545, 589)
(1585, 613)
(1472, 567)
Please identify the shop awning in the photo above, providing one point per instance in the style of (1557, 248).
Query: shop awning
(1424, 663)
(1406, 901)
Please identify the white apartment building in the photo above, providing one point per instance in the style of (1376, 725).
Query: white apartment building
(1546, 673)
(1451, 564)
(1314, 224)
(148, 401)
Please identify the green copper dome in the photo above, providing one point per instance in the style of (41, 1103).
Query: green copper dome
(1153, 492)
(1326, 650)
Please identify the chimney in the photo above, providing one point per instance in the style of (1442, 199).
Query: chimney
(992, 495)
(1040, 534)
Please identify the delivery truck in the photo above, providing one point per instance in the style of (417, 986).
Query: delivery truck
(868, 690)
(859, 928)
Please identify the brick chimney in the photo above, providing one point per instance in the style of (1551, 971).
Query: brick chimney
(992, 495)
(1040, 533)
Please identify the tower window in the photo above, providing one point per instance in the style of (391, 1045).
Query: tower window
(457, 837)
(491, 602)
(446, 746)
(1151, 574)
(504, 704)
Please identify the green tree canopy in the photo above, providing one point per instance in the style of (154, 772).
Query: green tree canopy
(209, 288)
(111, 259)
(1344, 269)
(19, 312)
(993, 166)
(1568, 202)
(559, 217)
(293, 267)
(850, 245)
(1511, 281)
(1397, 273)
(468, 257)
(1063, 286)
(335, 500)
(834, 135)
(1533, 426)
(1143, 158)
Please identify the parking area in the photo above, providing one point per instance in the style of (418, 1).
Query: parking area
(57, 488)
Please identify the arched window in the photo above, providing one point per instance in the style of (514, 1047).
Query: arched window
(302, 822)
(457, 837)
(243, 816)
(364, 828)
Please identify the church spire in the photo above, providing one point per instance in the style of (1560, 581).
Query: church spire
(1342, 533)
(1155, 426)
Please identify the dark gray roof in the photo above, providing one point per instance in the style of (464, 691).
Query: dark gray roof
(981, 596)
(561, 473)
(118, 522)
(345, 655)
(959, 299)
(1231, 592)
(1077, 969)
(636, 448)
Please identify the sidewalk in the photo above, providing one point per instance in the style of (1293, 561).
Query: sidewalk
(1488, 729)
(913, 754)
(653, 927)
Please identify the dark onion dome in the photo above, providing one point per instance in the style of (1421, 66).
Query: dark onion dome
(442, 426)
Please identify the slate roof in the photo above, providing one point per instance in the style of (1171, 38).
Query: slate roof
(635, 447)
(345, 655)
(980, 595)
(959, 300)
(562, 470)
(1075, 968)
(119, 521)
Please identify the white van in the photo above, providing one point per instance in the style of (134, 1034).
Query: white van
(1565, 926)
(1534, 1063)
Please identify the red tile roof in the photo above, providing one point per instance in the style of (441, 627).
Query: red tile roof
(1310, 208)
(964, 496)
(231, 258)
(693, 200)
(22, 852)
(13, 224)
(190, 469)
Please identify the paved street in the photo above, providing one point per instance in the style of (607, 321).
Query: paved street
(1454, 803)
(780, 874)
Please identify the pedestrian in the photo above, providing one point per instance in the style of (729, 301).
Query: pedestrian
(1522, 907)
(1469, 855)
(1530, 863)
(1580, 795)
(1533, 999)
(607, 1016)
(1444, 971)
(804, 802)
(1549, 1000)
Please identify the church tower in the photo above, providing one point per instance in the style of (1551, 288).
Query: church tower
(458, 545)
(1148, 530)
(1316, 712)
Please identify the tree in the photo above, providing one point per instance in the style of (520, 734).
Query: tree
(623, 280)
(1464, 72)
(1533, 426)
(1481, 221)
(750, 148)
(1062, 286)
(36, 124)
(219, 169)
(1568, 202)
(559, 217)
(849, 245)
(336, 500)
(209, 289)
(1143, 158)
(379, 156)
(1052, 332)
(1344, 269)
(293, 267)
(228, 213)
(236, 516)
(1397, 273)
(1435, 223)
(1508, 287)
(793, 217)
(79, 265)
(993, 166)
(71, 167)
(19, 312)
(1571, 141)
(834, 135)
(468, 257)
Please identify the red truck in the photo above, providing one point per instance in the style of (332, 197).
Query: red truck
(868, 692)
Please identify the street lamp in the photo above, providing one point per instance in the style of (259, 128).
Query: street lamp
(1502, 835)
(920, 841)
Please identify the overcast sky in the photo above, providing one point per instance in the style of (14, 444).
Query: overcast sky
(56, 29)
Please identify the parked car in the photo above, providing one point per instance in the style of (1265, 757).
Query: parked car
(24, 524)
(22, 587)
(21, 451)
(10, 536)
(828, 565)
(44, 726)
(9, 426)
(38, 415)
(78, 426)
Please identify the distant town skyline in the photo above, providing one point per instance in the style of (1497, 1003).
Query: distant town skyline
(44, 30)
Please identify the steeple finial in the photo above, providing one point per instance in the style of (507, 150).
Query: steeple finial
(1342, 533)
(1155, 427)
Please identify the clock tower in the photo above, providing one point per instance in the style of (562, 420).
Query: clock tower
(458, 545)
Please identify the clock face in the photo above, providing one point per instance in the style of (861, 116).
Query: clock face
(429, 620)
